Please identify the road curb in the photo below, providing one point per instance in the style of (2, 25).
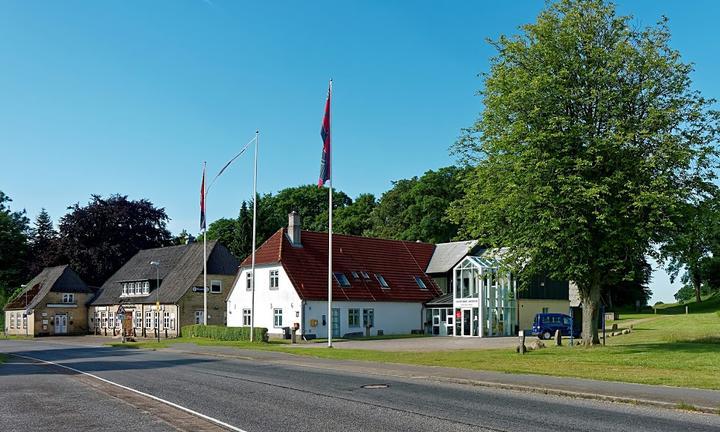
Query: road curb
(514, 387)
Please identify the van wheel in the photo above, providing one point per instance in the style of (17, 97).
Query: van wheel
(546, 335)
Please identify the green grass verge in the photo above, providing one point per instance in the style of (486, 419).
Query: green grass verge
(3, 358)
(675, 350)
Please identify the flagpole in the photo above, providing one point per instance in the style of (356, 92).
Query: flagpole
(204, 251)
(254, 233)
(330, 233)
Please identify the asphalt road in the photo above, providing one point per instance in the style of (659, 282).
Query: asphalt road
(254, 396)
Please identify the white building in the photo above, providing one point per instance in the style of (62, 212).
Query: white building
(379, 286)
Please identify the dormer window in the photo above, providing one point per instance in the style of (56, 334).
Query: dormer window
(381, 280)
(68, 298)
(341, 279)
(146, 287)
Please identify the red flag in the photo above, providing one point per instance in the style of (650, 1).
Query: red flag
(202, 200)
(325, 134)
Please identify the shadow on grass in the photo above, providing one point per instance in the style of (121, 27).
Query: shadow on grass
(696, 346)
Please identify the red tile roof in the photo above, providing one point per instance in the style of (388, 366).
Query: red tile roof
(399, 262)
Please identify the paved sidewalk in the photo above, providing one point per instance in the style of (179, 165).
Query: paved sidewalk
(661, 396)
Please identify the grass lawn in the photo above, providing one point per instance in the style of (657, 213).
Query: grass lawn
(674, 349)
(3, 358)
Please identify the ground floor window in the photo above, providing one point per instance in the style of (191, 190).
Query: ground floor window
(368, 317)
(103, 319)
(246, 317)
(148, 319)
(138, 319)
(24, 321)
(277, 317)
(166, 320)
(353, 317)
(156, 317)
(199, 317)
(12, 320)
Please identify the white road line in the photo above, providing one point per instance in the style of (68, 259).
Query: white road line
(174, 405)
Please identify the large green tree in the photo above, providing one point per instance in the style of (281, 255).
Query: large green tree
(590, 139)
(416, 208)
(355, 219)
(44, 244)
(695, 232)
(13, 247)
(98, 238)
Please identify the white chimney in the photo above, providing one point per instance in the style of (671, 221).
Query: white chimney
(294, 228)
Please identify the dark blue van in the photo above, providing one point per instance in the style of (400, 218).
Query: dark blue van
(545, 324)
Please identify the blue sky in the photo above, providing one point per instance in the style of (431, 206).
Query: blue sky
(130, 97)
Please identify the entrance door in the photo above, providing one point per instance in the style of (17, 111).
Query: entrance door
(60, 324)
(467, 322)
(336, 323)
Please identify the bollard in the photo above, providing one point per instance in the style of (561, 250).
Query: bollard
(521, 347)
(558, 338)
(686, 310)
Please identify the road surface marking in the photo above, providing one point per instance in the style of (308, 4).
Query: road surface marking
(167, 402)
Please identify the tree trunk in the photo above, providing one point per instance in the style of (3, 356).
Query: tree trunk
(591, 310)
(697, 282)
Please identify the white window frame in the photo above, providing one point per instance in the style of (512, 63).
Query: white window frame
(24, 320)
(137, 319)
(103, 319)
(368, 317)
(274, 279)
(213, 284)
(354, 317)
(148, 319)
(199, 317)
(146, 287)
(12, 320)
(166, 320)
(68, 298)
(246, 316)
(277, 313)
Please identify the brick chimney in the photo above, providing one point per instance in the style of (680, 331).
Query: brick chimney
(294, 228)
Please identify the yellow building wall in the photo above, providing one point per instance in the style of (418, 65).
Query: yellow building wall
(528, 308)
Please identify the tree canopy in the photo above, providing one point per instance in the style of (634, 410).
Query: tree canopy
(13, 246)
(98, 238)
(590, 139)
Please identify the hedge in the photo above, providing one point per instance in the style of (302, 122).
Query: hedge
(224, 333)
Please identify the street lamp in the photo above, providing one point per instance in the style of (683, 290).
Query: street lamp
(157, 295)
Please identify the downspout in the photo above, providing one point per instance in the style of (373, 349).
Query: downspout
(302, 319)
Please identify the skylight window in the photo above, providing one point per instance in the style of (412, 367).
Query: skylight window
(420, 282)
(381, 279)
(341, 279)
(365, 275)
(355, 275)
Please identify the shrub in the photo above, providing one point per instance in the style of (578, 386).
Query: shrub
(224, 333)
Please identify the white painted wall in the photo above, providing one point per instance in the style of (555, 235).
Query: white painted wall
(390, 317)
(266, 300)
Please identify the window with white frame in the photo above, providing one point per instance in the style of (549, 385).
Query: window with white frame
(24, 321)
(277, 317)
(156, 317)
(12, 320)
(381, 280)
(368, 317)
(341, 279)
(111, 320)
(18, 320)
(166, 320)
(68, 298)
(148, 320)
(274, 279)
(248, 281)
(215, 286)
(353, 317)
(199, 317)
(138, 319)
(246, 317)
(124, 289)
(103, 319)
(146, 288)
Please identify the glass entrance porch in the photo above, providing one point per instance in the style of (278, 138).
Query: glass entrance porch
(484, 298)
